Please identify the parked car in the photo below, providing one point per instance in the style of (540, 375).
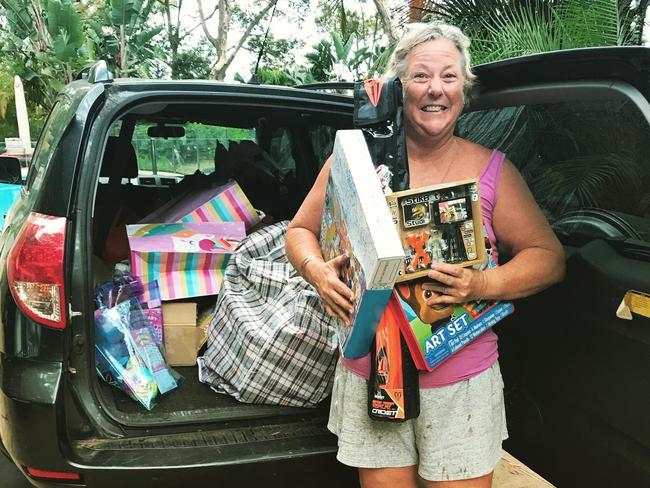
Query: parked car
(576, 123)
(10, 183)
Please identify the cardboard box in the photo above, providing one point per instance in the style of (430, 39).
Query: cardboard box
(439, 223)
(356, 221)
(183, 338)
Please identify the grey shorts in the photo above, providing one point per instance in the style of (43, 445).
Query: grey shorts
(457, 435)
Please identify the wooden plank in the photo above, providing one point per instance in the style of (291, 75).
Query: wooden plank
(512, 473)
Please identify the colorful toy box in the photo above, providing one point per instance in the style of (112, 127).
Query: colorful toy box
(434, 334)
(440, 223)
(356, 221)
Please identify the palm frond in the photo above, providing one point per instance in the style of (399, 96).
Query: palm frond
(588, 23)
(588, 181)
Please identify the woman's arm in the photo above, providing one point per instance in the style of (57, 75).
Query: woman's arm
(303, 252)
(520, 226)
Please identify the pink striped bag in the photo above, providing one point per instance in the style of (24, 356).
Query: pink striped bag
(225, 203)
(186, 258)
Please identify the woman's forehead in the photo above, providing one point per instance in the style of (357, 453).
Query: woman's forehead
(438, 52)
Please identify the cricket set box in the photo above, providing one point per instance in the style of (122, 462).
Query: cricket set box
(438, 224)
(356, 221)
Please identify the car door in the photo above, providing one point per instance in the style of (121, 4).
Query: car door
(577, 374)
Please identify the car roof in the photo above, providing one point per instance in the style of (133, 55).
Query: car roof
(630, 64)
(213, 86)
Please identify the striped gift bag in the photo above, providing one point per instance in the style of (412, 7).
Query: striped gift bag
(225, 203)
(187, 259)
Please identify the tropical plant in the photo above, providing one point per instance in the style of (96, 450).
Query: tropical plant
(126, 37)
(362, 39)
(43, 42)
(508, 28)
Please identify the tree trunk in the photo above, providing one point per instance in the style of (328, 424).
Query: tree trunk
(223, 61)
(220, 66)
(386, 20)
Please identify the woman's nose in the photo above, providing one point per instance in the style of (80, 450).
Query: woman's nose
(435, 86)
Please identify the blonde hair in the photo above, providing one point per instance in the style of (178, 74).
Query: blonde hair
(417, 34)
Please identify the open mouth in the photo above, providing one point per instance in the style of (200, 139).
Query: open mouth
(434, 108)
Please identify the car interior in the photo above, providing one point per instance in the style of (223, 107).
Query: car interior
(155, 152)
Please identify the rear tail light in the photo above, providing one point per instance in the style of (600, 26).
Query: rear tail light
(52, 475)
(35, 269)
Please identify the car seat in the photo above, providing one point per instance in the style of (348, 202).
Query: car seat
(113, 204)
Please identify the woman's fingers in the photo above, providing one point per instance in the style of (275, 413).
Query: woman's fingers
(455, 284)
(336, 295)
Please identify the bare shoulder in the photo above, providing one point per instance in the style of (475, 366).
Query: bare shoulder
(475, 155)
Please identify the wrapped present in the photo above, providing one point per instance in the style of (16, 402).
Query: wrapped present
(187, 259)
(225, 203)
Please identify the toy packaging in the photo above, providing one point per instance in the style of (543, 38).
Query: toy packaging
(393, 386)
(355, 220)
(127, 355)
(434, 334)
(440, 223)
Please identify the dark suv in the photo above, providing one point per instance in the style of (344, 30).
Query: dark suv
(576, 123)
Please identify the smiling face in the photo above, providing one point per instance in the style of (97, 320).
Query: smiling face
(433, 94)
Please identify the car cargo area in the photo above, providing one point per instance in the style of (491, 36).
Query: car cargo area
(157, 152)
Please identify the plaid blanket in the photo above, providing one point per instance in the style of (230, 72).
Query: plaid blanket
(270, 340)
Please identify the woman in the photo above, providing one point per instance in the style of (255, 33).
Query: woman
(456, 440)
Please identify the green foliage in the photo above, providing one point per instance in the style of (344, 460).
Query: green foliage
(192, 64)
(64, 27)
(283, 76)
(355, 46)
(43, 43)
(276, 53)
(321, 61)
(502, 29)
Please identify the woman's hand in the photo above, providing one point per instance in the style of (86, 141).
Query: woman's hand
(455, 284)
(324, 276)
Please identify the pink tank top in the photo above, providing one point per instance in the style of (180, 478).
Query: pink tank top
(481, 353)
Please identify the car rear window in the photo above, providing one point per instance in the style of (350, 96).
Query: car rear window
(574, 155)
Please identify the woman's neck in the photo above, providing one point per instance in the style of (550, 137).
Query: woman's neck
(431, 150)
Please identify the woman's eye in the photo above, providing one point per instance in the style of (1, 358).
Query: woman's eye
(427, 294)
(420, 77)
(450, 76)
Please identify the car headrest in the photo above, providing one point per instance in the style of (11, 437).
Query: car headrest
(119, 160)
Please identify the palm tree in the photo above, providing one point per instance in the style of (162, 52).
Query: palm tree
(502, 29)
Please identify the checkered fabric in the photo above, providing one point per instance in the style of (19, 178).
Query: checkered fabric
(270, 340)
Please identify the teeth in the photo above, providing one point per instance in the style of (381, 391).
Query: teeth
(433, 108)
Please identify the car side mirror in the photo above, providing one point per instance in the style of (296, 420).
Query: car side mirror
(10, 170)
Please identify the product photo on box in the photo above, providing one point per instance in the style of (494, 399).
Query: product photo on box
(438, 224)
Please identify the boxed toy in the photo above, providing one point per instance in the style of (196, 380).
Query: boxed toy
(435, 333)
(440, 223)
(356, 221)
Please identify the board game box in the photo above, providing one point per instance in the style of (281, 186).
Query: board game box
(355, 220)
(440, 223)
